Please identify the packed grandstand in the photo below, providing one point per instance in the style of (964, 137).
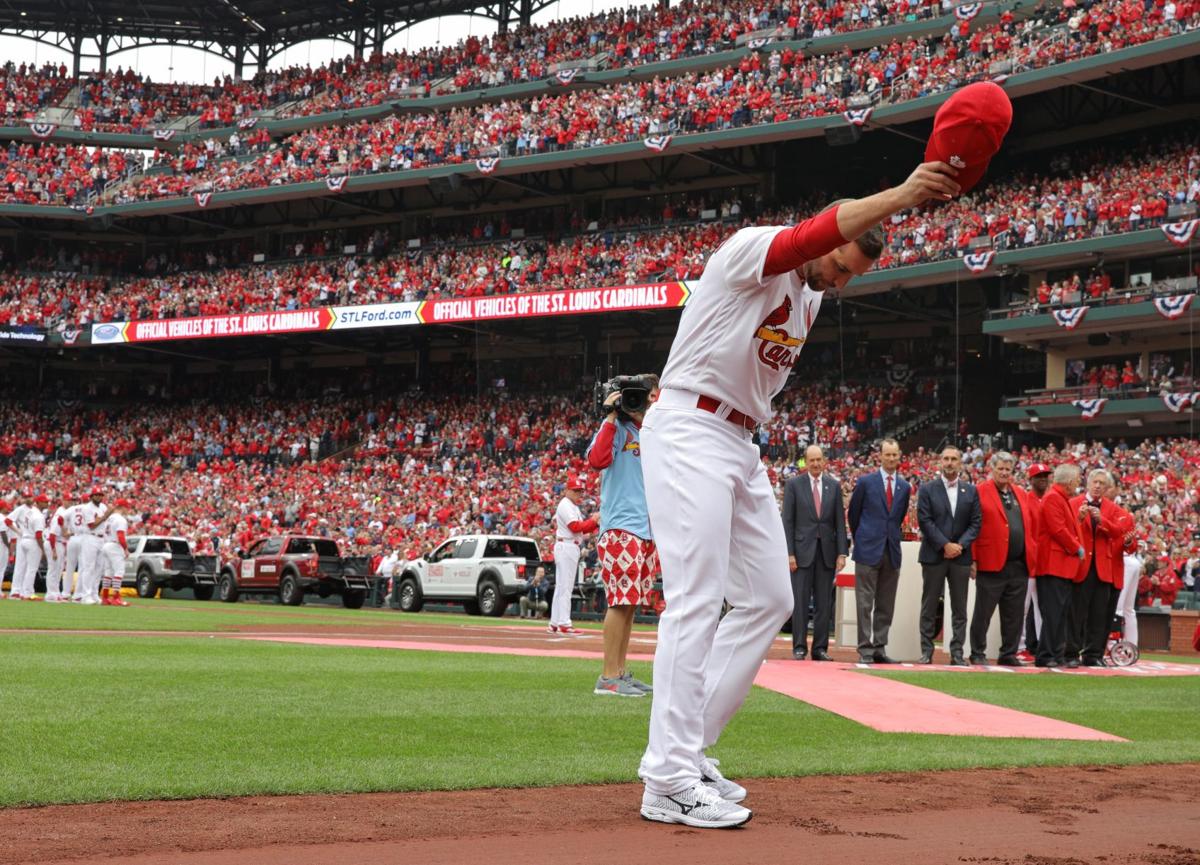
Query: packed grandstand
(393, 441)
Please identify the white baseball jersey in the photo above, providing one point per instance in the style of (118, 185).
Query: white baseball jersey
(29, 521)
(568, 512)
(58, 522)
(89, 513)
(113, 526)
(740, 334)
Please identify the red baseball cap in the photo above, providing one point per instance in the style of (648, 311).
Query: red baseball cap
(576, 483)
(968, 130)
(124, 503)
(97, 491)
(1038, 469)
(43, 499)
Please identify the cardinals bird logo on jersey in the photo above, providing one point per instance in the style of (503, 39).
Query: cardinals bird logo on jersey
(776, 344)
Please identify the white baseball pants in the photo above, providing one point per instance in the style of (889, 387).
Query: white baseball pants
(72, 576)
(1031, 599)
(566, 570)
(90, 566)
(1127, 602)
(29, 557)
(112, 561)
(719, 537)
(54, 568)
(4, 564)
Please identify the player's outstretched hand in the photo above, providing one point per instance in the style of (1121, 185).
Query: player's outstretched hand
(930, 180)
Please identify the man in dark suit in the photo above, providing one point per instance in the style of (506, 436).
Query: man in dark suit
(814, 522)
(949, 516)
(877, 508)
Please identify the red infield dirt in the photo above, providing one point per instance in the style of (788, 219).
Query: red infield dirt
(1068, 816)
(1040, 816)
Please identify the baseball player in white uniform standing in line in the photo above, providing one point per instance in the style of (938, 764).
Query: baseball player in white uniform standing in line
(6, 540)
(76, 529)
(569, 529)
(27, 524)
(1127, 600)
(58, 584)
(716, 522)
(92, 513)
(112, 555)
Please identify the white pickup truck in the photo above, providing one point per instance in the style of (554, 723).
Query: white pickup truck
(485, 573)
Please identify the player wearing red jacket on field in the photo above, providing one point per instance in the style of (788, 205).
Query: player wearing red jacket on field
(1101, 524)
(1059, 555)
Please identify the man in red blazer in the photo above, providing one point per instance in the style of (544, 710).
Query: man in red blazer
(1117, 548)
(1102, 524)
(1005, 554)
(1059, 555)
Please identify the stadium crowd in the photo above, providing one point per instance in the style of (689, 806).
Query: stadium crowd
(759, 90)
(1096, 194)
(381, 470)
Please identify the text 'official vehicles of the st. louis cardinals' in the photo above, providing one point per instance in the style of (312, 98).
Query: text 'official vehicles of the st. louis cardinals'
(291, 566)
(484, 572)
(155, 561)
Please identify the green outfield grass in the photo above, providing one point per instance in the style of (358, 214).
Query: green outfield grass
(179, 615)
(112, 717)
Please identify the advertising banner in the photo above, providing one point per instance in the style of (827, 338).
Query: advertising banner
(658, 295)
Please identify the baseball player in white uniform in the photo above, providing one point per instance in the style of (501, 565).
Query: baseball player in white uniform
(76, 529)
(569, 529)
(27, 524)
(6, 540)
(92, 515)
(112, 555)
(58, 583)
(716, 522)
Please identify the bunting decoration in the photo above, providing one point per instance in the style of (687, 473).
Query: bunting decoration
(967, 11)
(755, 44)
(899, 374)
(978, 262)
(565, 76)
(247, 123)
(487, 164)
(83, 208)
(164, 134)
(1000, 79)
(42, 130)
(1174, 306)
(1180, 233)
(336, 182)
(658, 143)
(1070, 318)
(1089, 408)
(857, 116)
(202, 198)
(1177, 402)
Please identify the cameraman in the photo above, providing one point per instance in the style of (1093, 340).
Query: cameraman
(628, 559)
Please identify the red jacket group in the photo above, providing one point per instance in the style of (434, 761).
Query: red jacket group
(1061, 532)
(990, 549)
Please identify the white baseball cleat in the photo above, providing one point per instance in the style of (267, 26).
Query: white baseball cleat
(699, 806)
(90, 600)
(711, 776)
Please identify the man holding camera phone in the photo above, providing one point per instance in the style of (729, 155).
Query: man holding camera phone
(628, 558)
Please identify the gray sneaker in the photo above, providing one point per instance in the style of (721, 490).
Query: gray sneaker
(711, 776)
(700, 806)
(616, 688)
(637, 683)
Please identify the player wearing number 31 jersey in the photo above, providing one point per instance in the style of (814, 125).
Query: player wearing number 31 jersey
(716, 523)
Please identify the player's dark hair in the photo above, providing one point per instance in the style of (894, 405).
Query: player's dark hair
(870, 242)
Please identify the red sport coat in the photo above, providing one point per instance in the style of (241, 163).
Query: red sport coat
(1110, 530)
(990, 550)
(1059, 539)
(1116, 545)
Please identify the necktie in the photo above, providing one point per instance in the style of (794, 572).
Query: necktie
(817, 496)
(889, 492)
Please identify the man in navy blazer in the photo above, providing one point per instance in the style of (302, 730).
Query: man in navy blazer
(949, 515)
(877, 508)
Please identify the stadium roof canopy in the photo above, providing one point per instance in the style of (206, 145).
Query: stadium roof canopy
(242, 31)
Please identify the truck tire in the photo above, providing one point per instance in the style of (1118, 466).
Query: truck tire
(408, 595)
(203, 593)
(490, 598)
(227, 589)
(145, 583)
(353, 599)
(291, 594)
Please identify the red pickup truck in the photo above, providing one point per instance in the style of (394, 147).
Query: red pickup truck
(292, 566)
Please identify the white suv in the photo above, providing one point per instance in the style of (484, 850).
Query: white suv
(484, 572)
